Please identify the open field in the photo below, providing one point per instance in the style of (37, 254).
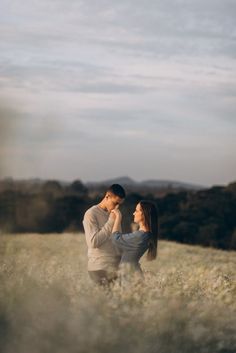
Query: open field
(48, 304)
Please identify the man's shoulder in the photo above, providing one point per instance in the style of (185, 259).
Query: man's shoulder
(91, 211)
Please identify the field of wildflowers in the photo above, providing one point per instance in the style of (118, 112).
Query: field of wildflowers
(187, 302)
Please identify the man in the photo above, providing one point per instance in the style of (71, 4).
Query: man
(103, 258)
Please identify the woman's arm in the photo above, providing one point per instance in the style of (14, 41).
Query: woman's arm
(128, 241)
(117, 223)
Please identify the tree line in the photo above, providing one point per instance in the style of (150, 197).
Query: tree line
(205, 217)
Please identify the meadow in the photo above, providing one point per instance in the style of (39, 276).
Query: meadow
(48, 304)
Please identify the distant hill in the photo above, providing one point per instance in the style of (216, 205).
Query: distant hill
(152, 183)
(123, 180)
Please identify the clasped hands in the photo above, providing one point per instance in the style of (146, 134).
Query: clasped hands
(116, 214)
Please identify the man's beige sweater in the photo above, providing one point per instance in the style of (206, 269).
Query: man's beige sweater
(102, 255)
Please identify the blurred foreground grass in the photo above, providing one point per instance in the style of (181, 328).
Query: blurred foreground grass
(48, 304)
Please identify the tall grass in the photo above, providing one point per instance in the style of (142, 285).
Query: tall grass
(48, 304)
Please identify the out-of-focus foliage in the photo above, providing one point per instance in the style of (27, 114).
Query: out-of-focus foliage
(205, 217)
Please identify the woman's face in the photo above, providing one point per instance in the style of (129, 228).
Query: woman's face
(138, 214)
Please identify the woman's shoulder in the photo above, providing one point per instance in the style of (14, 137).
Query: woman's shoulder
(141, 234)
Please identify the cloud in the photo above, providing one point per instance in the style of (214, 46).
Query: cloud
(97, 82)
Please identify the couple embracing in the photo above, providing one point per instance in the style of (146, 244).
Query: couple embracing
(110, 250)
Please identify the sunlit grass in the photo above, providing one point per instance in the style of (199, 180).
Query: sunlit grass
(48, 304)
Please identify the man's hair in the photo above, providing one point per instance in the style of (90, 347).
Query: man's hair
(117, 190)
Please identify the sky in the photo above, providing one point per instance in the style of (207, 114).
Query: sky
(93, 90)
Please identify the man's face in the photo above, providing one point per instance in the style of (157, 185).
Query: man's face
(112, 201)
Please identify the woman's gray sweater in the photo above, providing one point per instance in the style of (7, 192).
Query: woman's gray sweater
(132, 246)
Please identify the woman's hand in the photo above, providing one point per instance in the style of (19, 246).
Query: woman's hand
(117, 214)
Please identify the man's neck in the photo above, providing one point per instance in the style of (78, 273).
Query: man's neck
(102, 206)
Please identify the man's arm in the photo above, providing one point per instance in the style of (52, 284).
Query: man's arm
(96, 236)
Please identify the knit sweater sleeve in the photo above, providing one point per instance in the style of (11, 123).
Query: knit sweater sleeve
(126, 241)
(95, 235)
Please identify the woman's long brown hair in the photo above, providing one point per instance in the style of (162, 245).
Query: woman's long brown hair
(151, 222)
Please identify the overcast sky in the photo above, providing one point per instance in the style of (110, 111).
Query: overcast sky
(92, 90)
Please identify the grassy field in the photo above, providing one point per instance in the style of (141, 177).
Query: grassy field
(48, 304)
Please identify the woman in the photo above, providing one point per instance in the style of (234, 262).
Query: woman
(133, 245)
